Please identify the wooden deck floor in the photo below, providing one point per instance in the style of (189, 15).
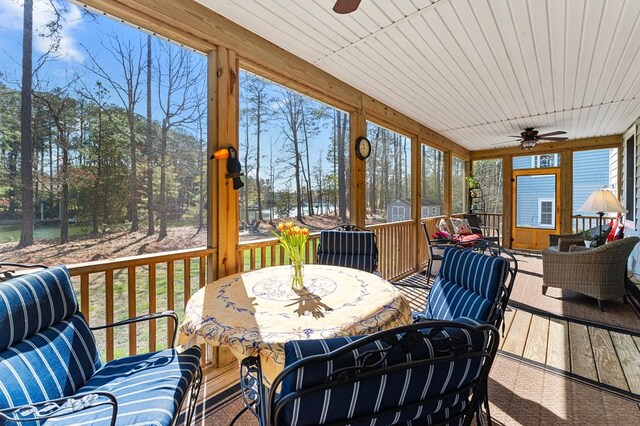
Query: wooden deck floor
(595, 354)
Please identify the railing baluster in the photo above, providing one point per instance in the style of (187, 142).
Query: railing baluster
(108, 278)
(187, 281)
(252, 257)
(152, 307)
(170, 299)
(203, 271)
(84, 296)
(131, 281)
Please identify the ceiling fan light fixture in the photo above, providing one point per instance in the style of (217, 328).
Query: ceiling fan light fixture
(527, 144)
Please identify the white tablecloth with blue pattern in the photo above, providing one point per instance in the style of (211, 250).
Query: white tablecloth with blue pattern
(258, 311)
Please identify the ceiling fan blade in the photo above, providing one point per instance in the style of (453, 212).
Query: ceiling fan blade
(505, 142)
(346, 6)
(513, 136)
(558, 132)
(553, 138)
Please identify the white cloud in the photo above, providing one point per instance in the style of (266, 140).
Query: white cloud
(43, 13)
(11, 12)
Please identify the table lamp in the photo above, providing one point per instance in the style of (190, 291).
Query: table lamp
(602, 201)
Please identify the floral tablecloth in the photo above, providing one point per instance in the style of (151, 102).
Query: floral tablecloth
(258, 311)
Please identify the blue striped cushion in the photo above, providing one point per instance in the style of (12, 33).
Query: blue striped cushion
(347, 242)
(34, 302)
(362, 262)
(378, 393)
(351, 249)
(468, 284)
(474, 271)
(53, 363)
(148, 388)
(449, 301)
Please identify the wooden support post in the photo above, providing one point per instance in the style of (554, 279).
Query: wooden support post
(566, 192)
(507, 199)
(212, 166)
(447, 184)
(357, 176)
(468, 171)
(225, 114)
(416, 201)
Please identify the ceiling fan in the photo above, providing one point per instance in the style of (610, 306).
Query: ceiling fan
(530, 137)
(346, 6)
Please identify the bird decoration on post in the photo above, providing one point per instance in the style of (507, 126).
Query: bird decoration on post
(234, 169)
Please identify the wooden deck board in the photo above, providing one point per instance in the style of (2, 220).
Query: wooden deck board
(629, 356)
(517, 336)
(558, 345)
(606, 360)
(508, 320)
(536, 345)
(582, 362)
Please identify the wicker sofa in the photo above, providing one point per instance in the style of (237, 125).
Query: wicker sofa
(599, 272)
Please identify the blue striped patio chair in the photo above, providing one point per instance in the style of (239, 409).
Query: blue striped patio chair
(473, 282)
(350, 247)
(423, 373)
(51, 372)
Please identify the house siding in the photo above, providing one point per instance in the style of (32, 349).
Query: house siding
(589, 174)
(530, 190)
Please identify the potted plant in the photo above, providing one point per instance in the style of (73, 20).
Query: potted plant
(473, 185)
(589, 240)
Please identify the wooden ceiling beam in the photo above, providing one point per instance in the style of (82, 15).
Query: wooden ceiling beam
(613, 141)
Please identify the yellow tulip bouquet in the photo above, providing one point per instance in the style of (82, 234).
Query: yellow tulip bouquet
(294, 240)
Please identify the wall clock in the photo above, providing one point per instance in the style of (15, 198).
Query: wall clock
(363, 148)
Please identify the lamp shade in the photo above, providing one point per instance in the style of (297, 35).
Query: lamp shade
(602, 201)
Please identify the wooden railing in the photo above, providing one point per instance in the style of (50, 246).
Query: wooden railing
(582, 223)
(396, 250)
(268, 252)
(113, 290)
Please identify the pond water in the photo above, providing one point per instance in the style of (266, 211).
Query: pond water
(9, 233)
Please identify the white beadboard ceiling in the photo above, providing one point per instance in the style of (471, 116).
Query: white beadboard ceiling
(474, 70)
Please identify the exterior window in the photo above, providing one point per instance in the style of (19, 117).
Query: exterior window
(545, 213)
(294, 151)
(544, 161)
(398, 213)
(388, 180)
(434, 211)
(432, 176)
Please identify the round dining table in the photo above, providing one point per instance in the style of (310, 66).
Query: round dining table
(257, 312)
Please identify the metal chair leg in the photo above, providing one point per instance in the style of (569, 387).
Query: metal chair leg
(195, 391)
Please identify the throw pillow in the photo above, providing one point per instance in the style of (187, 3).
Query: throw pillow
(461, 226)
(442, 226)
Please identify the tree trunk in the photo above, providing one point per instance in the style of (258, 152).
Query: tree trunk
(26, 232)
(151, 227)
(64, 196)
(133, 176)
(258, 185)
(342, 179)
(163, 181)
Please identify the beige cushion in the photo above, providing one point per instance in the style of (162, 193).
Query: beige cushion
(461, 226)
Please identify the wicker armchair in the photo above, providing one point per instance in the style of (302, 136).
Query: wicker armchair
(599, 272)
(562, 242)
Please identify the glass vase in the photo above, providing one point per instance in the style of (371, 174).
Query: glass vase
(297, 273)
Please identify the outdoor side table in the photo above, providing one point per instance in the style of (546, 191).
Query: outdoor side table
(258, 312)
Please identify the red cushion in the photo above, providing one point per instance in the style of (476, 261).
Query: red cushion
(467, 240)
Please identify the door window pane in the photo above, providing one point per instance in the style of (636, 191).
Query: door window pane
(535, 201)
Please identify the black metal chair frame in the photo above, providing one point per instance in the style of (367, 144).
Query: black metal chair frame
(75, 403)
(478, 228)
(437, 243)
(266, 405)
(494, 249)
(351, 228)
